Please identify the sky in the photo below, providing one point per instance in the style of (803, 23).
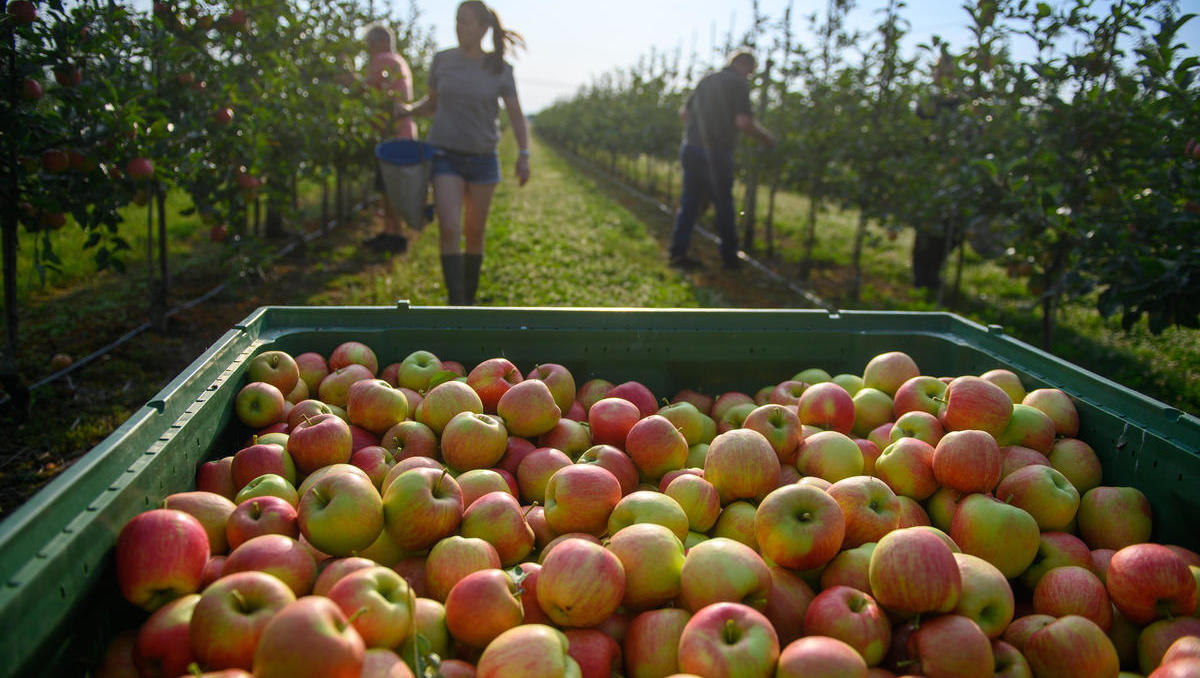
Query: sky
(571, 42)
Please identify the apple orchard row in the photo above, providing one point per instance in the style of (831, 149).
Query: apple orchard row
(494, 523)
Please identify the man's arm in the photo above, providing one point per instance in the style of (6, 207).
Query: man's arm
(748, 125)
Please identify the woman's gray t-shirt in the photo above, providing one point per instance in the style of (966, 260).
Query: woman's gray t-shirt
(467, 118)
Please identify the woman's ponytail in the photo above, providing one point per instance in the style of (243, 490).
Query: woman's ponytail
(502, 39)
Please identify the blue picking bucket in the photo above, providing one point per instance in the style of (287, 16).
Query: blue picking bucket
(405, 165)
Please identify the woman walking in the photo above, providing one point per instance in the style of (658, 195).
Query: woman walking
(466, 85)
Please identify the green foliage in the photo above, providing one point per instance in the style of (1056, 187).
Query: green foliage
(1075, 169)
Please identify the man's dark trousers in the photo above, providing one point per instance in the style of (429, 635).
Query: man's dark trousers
(707, 176)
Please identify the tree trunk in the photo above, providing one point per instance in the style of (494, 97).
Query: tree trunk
(770, 226)
(1047, 322)
(10, 375)
(810, 234)
(860, 236)
(159, 309)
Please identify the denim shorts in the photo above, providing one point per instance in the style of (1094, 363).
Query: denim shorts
(481, 168)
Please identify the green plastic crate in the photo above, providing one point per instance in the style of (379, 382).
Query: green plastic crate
(58, 597)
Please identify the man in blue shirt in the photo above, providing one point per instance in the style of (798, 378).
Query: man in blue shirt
(716, 111)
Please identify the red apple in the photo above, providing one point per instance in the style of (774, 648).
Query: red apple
(230, 617)
(351, 353)
(569, 435)
(852, 617)
(870, 507)
(652, 557)
(259, 458)
(800, 527)
(279, 556)
(310, 637)
(1045, 493)
(647, 506)
(1114, 517)
(741, 464)
(968, 461)
(820, 657)
(1059, 407)
(497, 518)
(1002, 534)
(528, 409)
(656, 447)
(216, 476)
(1077, 461)
(907, 467)
(919, 394)
(535, 470)
(700, 501)
(611, 419)
(975, 403)
(850, 567)
(828, 406)
(1008, 381)
(160, 556)
(1057, 549)
(335, 386)
(594, 390)
(913, 571)
(917, 424)
(724, 570)
(528, 651)
(420, 507)
(598, 655)
(313, 368)
(781, 427)
(1073, 590)
(987, 597)
(375, 406)
(787, 603)
(580, 497)
(560, 382)
(259, 404)
(1071, 646)
(580, 584)
(163, 647)
(491, 379)
(277, 368)
(651, 644)
(636, 393)
(341, 514)
(952, 646)
(728, 639)
(1150, 581)
(410, 439)
(615, 462)
(319, 441)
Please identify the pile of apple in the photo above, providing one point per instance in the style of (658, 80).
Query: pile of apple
(425, 519)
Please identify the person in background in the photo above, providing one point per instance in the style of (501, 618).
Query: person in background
(713, 115)
(388, 72)
(466, 85)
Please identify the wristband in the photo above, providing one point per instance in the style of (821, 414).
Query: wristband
(524, 153)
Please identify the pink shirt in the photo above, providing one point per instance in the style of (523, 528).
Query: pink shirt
(389, 72)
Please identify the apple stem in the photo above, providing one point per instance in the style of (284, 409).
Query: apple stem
(438, 485)
(194, 669)
(357, 613)
(239, 599)
(730, 632)
(532, 505)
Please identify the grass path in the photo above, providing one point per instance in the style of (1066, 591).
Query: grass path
(561, 240)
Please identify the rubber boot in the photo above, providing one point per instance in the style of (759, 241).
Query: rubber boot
(471, 265)
(452, 272)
